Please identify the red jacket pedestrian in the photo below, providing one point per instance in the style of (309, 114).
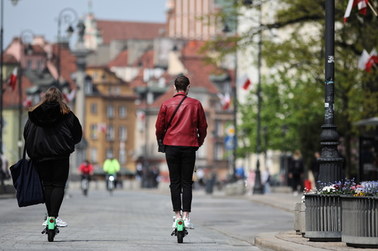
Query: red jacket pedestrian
(182, 123)
(188, 126)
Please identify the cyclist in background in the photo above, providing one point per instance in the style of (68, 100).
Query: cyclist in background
(111, 167)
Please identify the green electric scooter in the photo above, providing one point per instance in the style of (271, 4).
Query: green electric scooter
(51, 229)
(180, 231)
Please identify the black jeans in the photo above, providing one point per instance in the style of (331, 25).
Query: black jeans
(181, 160)
(54, 175)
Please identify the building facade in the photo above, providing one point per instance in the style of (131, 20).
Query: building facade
(110, 118)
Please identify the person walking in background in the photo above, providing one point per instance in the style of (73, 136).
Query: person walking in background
(296, 168)
(51, 133)
(4, 170)
(266, 179)
(182, 133)
(315, 167)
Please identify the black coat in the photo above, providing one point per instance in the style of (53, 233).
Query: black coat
(50, 134)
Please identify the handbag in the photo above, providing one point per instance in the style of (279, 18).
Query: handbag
(161, 146)
(26, 181)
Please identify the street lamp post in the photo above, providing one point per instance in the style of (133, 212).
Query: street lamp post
(67, 16)
(1, 76)
(23, 37)
(330, 159)
(80, 76)
(258, 188)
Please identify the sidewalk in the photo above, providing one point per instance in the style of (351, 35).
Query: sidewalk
(289, 240)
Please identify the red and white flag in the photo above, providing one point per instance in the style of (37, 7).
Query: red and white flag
(367, 61)
(225, 100)
(13, 79)
(361, 4)
(141, 115)
(246, 84)
(70, 96)
(27, 102)
(102, 127)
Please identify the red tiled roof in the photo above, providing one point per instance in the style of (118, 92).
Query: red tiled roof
(198, 70)
(67, 64)
(120, 60)
(37, 49)
(123, 30)
(192, 48)
(9, 59)
(137, 81)
(199, 73)
(146, 60)
(167, 95)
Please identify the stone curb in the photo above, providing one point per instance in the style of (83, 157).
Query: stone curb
(269, 241)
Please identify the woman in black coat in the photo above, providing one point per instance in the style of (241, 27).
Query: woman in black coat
(51, 133)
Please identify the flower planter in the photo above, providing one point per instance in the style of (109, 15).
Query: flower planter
(360, 221)
(323, 217)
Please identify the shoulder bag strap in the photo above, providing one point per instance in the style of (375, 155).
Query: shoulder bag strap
(24, 154)
(174, 113)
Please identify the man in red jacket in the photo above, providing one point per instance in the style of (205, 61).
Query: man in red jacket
(182, 137)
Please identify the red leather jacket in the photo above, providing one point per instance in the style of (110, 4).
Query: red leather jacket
(188, 126)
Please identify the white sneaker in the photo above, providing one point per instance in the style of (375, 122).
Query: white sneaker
(174, 222)
(188, 224)
(59, 223)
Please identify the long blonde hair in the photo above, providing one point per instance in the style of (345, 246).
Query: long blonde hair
(53, 94)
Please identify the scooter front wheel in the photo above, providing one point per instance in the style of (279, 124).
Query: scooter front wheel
(180, 236)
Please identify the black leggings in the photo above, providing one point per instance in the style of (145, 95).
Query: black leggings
(181, 162)
(54, 175)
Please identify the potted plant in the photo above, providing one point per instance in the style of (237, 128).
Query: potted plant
(323, 211)
(360, 216)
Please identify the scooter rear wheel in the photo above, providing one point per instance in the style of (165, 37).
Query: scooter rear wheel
(180, 236)
(50, 235)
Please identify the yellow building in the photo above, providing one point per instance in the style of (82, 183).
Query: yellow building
(110, 117)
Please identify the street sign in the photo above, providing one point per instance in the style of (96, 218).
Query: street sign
(230, 130)
(229, 142)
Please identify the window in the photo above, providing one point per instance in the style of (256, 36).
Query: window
(88, 86)
(109, 153)
(122, 111)
(202, 153)
(29, 64)
(93, 108)
(93, 155)
(110, 133)
(122, 156)
(122, 133)
(219, 128)
(219, 151)
(114, 90)
(93, 132)
(40, 65)
(110, 111)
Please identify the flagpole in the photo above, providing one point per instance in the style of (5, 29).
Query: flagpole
(20, 73)
(372, 8)
(235, 110)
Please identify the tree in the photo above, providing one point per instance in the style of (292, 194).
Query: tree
(293, 90)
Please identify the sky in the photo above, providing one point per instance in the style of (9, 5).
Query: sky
(41, 16)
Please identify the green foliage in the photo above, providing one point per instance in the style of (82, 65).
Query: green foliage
(293, 91)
